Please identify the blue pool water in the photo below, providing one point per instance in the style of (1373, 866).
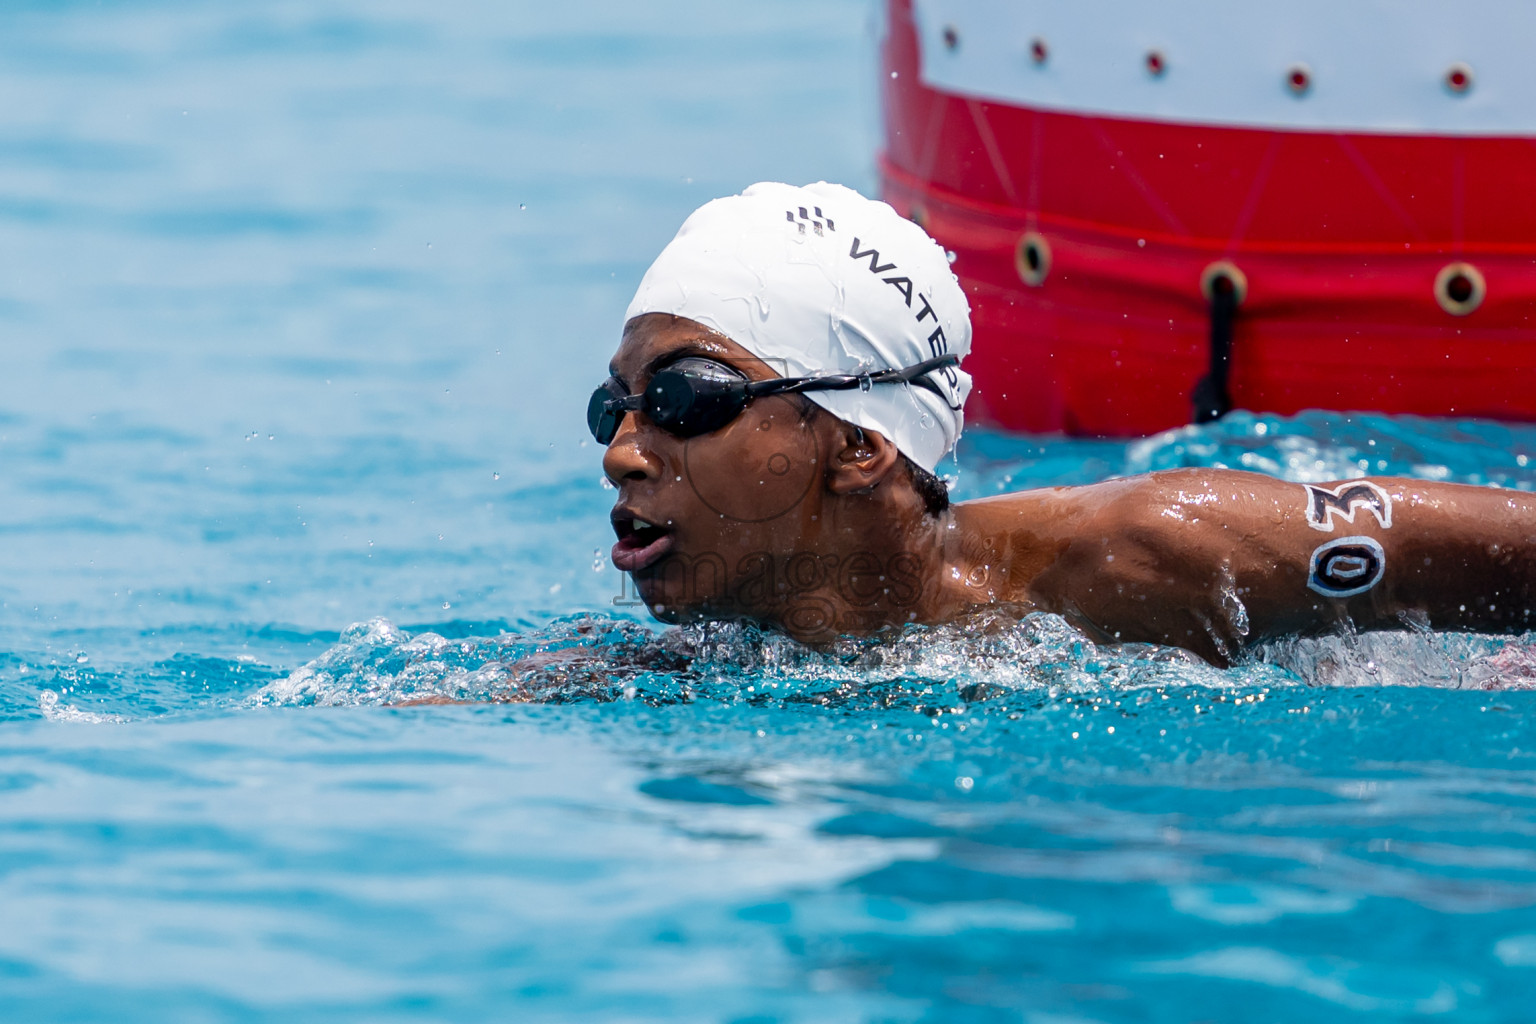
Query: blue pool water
(299, 305)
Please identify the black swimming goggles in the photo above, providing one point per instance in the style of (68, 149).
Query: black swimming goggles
(694, 396)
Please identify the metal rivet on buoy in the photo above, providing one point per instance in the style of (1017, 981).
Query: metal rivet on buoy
(951, 37)
(1156, 63)
(1298, 79)
(1032, 258)
(1458, 78)
(1038, 51)
(1460, 288)
(1221, 275)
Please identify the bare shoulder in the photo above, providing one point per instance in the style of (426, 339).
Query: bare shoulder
(1027, 532)
(1069, 509)
(1049, 536)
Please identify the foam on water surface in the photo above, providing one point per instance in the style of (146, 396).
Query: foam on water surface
(300, 308)
(985, 656)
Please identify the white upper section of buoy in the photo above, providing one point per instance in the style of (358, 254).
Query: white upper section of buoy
(1397, 66)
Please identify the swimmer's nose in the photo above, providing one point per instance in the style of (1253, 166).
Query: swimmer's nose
(628, 456)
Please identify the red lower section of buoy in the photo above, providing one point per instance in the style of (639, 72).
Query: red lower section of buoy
(1378, 272)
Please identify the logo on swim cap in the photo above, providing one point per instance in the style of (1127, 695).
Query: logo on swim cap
(938, 344)
(816, 222)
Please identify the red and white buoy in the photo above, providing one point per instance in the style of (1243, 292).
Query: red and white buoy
(1160, 210)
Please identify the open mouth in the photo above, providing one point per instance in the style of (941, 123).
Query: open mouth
(641, 542)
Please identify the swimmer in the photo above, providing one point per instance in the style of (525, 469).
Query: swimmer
(787, 380)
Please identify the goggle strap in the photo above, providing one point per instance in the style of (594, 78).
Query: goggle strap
(849, 381)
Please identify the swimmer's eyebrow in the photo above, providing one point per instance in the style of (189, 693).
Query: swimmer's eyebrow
(696, 350)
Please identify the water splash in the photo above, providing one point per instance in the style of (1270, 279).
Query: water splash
(376, 662)
(48, 702)
(987, 659)
(1459, 661)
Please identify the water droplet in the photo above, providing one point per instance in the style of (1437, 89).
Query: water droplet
(522, 206)
(495, 476)
(446, 606)
(597, 559)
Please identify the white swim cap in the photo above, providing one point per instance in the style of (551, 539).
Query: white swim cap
(820, 280)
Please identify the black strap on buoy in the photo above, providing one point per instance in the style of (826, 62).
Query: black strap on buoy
(1211, 398)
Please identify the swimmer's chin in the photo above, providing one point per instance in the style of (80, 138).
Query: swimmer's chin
(685, 615)
(666, 608)
(665, 605)
(673, 615)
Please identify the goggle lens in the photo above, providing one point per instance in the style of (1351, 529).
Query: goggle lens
(686, 402)
(688, 398)
(602, 420)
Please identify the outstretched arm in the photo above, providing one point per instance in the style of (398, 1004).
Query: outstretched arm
(1213, 560)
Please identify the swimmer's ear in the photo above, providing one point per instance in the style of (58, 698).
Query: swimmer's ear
(861, 460)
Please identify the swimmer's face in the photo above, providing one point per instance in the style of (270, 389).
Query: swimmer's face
(699, 519)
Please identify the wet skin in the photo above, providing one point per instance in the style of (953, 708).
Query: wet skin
(793, 519)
